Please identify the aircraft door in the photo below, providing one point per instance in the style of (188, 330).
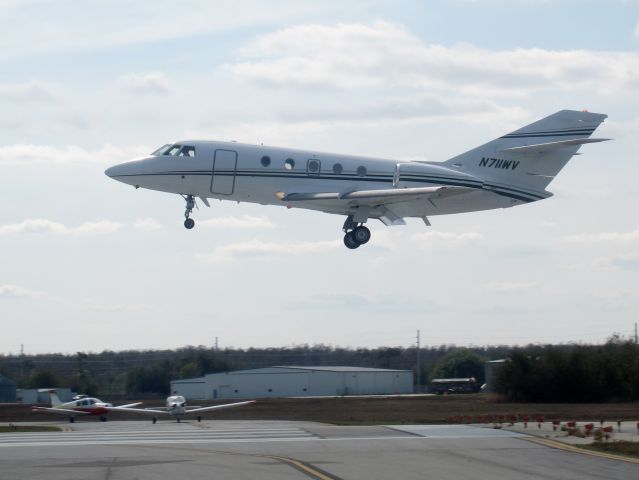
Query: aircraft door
(223, 175)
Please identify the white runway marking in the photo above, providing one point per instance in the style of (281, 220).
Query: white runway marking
(152, 437)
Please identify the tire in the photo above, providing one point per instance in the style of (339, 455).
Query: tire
(350, 242)
(189, 223)
(361, 235)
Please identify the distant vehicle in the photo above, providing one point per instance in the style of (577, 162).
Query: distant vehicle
(176, 407)
(454, 385)
(80, 405)
(512, 170)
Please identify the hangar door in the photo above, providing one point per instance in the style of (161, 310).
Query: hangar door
(223, 177)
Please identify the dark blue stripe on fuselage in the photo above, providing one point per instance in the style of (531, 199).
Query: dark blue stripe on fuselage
(377, 178)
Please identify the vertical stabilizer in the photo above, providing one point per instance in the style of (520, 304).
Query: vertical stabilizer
(528, 159)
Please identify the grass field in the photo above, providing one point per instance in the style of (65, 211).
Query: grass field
(371, 410)
(621, 447)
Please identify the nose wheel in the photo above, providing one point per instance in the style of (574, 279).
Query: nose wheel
(189, 223)
(355, 234)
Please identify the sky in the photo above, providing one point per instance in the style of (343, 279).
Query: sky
(88, 264)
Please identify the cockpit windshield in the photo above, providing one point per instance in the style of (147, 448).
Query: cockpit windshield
(175, 150)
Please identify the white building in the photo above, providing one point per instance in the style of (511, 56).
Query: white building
(295, 382)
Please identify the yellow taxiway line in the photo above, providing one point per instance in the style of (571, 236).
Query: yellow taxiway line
(571, 448)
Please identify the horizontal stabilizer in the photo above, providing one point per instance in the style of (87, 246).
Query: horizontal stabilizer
(546, 147)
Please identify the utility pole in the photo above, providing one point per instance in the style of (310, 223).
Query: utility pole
(216, 344)
(636, 339)
(419, 365)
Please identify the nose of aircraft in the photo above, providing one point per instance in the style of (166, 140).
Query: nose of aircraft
(119, 170)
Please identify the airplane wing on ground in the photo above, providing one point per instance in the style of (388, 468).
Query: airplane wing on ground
(219, 407)
(62, 411)
(128, 405)
(155, 411)
(136, 410)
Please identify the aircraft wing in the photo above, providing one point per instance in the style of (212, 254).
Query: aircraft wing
(62, 411)
(128, 405)
(219, 407)
(375, 197)
(124, 408)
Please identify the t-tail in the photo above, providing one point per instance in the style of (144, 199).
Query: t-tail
(525, 161)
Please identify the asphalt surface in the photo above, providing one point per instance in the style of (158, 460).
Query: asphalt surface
(290, 450)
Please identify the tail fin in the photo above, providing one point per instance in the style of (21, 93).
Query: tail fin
(531, 157)
(53, 395)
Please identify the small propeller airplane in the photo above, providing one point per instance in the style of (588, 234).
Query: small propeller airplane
(177, 408)
(81, 405)
(512, 170)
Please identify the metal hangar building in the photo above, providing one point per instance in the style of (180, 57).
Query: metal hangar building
(295, 382)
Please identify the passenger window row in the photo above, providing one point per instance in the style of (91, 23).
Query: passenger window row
(313, 166)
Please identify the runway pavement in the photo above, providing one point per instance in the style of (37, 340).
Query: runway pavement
(296, 450)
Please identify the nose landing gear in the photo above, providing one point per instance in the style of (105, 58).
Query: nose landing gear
(189, 223)
(356, 234)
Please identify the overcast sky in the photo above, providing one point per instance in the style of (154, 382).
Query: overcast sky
(87, 263)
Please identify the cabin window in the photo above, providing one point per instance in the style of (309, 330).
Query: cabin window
(289, 164)
(337, 168)
(265, 161)
(361, 171)
(313, 166)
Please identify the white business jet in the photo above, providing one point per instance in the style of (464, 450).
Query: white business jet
(511, 170)
(176, 407)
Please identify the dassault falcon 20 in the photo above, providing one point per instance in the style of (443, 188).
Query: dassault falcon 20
(511, 170)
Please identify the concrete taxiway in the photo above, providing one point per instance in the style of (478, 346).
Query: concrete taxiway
(295, 450)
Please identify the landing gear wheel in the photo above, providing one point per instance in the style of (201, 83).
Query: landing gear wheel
(71, 420)
(178, 420)
(350, 242)
(103, 418)
(189, 223)
(155, 420)
(199, 419)
(361, 235)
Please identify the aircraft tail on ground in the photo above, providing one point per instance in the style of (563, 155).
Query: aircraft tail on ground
(53, 395)
(528, 159)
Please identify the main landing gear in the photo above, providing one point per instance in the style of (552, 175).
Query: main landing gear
(356, 234)
(189, 223)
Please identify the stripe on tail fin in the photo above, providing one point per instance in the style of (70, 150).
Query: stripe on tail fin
(531, 157)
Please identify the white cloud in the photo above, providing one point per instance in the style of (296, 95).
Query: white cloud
(43, 226)
(14, 291)
(242, 222)
(509, 286)
(444, 238)
(147, 224)
(603, 237)
(259, 248)
(32, 91)
(620, 262)
(354, 56)
(24, 154)
(145, 83)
